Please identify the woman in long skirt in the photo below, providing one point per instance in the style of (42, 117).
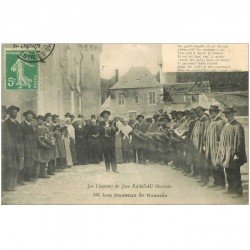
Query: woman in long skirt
(71, 133)
(127, 151)
(66, 142)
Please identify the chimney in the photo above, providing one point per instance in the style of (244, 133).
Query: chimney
(116, 75)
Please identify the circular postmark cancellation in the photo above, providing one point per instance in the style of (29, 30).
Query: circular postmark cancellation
(33, 53)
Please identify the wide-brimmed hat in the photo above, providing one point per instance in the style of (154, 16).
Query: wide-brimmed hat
(29, 112)
(105, 112)
(40, 117)
(12, 107)
(214, 108)
(55, 116)
(47, 115)
(67, 114)
(201, 108)
(140, 115)
(173, 112)
(229, 110)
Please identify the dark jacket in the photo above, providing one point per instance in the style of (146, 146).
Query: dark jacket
(29, 143)
(12, 143)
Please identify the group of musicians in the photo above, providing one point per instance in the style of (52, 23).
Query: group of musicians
(208, 144)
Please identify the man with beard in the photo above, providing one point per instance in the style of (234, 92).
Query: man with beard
(13, 152)
(232, 152)
(214, 173)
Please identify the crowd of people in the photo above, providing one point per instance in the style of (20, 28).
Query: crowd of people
(208, 144)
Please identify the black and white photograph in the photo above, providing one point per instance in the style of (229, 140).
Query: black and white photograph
(124, 124)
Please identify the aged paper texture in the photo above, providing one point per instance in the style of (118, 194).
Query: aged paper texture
(125, 124)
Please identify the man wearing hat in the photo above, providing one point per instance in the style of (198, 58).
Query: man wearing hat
(138, 140)
(55, 120)
(174, 123)
(214, 173)
(196, 152)
(152, 144)
(107, 138)
(12, 152)
(67, 115)
(232, 153)
(30, 144)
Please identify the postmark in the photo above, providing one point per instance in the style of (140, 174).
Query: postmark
(20, 74)
(34, 52)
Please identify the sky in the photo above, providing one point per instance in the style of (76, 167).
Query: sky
(125, 56)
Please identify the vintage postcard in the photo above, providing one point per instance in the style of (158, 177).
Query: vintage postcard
(125, 124)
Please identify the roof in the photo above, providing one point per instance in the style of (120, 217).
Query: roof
(106, 104)
(189, 87)
(137, 77)
(219, 81)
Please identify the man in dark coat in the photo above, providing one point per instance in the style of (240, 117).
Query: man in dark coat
(12, 152)
(30, 144)
(107, 134)
(139, 140)
(215, 173)
(232, 152)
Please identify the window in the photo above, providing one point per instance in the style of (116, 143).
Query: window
(137, 99)
(121, 98)
(151, 97)
(195, 98)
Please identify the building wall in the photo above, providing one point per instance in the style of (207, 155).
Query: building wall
(90, 79)
(143, 107)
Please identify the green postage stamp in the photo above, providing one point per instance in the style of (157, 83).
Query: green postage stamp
(20, 73)
(22, 65)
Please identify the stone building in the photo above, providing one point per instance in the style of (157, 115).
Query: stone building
(206, 88)
(137, 92)
(69, 82)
